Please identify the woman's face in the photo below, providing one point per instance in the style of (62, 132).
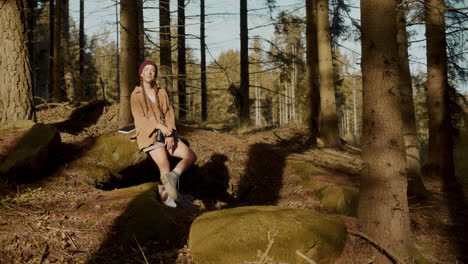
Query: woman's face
(149, 73)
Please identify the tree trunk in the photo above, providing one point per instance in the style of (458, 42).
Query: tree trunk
(129, 57)
(117, 53)
(383, 207)
(328, 118)
(16, 100)
(30, 25)
(204, 98)
(244, 65)
(81, 51)
(181, 61)
(440, 154)
(415, 183)
(57, 91)
(51, 46)
(165, 73)
(311, 113)
(67, 68)
(141, 32)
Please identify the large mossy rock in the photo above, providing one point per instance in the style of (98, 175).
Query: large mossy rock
(111, 158)
(337, 199)
(31, 147)
(145, 217)
(233, 236)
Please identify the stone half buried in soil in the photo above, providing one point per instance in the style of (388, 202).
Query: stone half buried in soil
(337, 199)
(113, 161)
(145, 217)
(233, 236)
(30, 150)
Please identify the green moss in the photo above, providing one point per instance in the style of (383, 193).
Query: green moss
(18, 125)
(304, 169)
(235, 235)
(117, 151)
(146, 218)
(337, 199)
(32, 148)
(416, 257)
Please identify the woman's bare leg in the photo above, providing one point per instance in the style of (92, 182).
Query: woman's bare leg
(186, 155)
(159, 156)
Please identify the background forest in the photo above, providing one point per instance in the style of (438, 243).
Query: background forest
(374, 88)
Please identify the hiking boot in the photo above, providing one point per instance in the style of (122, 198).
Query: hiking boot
(171, 181)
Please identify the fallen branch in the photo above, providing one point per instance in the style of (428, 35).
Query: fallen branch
(143, 253)
(47, 105)
(305, 257)
(271, 240)
(387, 251)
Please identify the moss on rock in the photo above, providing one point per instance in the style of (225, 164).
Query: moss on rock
(31, 150)
(304, 169)
(106, 163)
(337, 199)
(146, 218)
(233, 236)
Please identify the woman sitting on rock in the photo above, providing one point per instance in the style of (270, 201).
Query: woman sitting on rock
(156, 133)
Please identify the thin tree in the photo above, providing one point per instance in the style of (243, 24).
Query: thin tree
(81, 47)
(181, 60)
(165, 57)
(57, 76)
(328, 118)
(30, 24)
(244, 65)
(204, 98)
(440, 154)
(383, 207)
(51, 45)
(16, 99)
(312, 109)
(128, 56)
(413, 169)
(141, 31)
(67, 67)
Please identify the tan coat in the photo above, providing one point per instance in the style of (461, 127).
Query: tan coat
(145, 121)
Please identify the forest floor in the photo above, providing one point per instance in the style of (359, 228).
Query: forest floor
(60, 219)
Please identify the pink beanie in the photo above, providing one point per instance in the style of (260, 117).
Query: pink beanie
(148, 62)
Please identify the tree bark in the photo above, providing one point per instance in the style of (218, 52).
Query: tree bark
(312, 109)
(51, 45)
(67, 68)
(16, 100)
(440, 154)
(204, 97)
(165, 73)
(128, 56)
(57, 91)
(181, 60)
(328, 117)
(415, 183)
(244, 65)
(30, 25)
(81, 50)
(383, 207)
(141, 32)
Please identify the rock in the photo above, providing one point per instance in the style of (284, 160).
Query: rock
(111, 159)
(233, 236)
(337, 199)
(145, 218)
(30, 150)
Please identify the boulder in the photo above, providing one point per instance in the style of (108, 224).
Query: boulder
(28, 150)
(233, 236)
(337, 199)
(145, 217)
(112, 160)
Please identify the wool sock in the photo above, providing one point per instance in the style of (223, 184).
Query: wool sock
(177, 172)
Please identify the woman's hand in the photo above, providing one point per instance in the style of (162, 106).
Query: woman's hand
(170, 144)
(166, 131)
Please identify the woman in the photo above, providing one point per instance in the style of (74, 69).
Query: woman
(152, 111)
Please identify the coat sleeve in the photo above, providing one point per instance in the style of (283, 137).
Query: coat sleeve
(169, 115)
(144, 125)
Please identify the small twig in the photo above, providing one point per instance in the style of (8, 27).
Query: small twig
(282, 139)
(44, 253)
(305, 257)
(387, 251)
(271, 240)
(143, 253)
